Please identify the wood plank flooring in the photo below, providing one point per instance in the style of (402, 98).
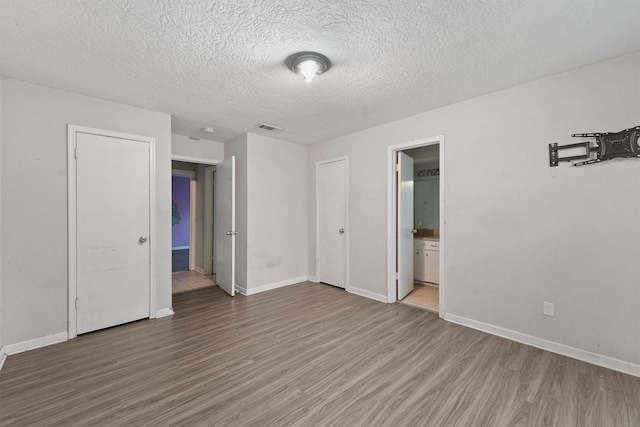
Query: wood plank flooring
(306, 355)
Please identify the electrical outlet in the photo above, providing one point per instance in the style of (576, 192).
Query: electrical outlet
(547, 308)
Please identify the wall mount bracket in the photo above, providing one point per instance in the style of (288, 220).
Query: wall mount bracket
(608, 145)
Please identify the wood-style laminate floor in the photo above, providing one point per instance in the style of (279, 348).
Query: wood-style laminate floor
(306, 355)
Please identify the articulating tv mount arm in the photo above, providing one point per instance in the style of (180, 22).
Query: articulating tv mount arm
(608, 146)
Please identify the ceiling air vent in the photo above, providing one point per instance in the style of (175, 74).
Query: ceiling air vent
(268, 127)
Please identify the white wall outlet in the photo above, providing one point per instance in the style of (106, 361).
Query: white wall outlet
(547, 308)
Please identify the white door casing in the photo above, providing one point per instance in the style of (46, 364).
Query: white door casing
(332, 218)
(225, 225)
(111, 217)
(208, 238)
(405, 225)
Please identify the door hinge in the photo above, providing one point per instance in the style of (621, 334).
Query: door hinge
(397, 277)
(397, 167)
(75, 153)
(76, 303)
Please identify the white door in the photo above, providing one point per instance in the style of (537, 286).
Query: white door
(331, 185)
(225, 225)
(112, 231)
(405, 225)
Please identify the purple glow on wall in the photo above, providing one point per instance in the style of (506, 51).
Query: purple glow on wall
(180, 194)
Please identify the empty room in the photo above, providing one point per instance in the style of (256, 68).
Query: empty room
(341, 159)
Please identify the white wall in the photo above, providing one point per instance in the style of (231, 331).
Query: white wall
(1, 162)
(200, 151)
(34, 200)
(519, 232)
(239, 147)
(278, 218)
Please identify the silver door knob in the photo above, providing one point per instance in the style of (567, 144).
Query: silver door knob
(341, 231)
(231, 233)
(142, 240)
(414, 231)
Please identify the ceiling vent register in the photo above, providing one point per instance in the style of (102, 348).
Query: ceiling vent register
(268, 127)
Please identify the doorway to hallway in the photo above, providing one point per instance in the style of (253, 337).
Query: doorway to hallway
(183, 216)
(192, 225)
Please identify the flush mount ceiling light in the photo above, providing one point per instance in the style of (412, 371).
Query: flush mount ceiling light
(308, 64)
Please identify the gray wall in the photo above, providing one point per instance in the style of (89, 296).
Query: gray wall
(34, 200)
(277, 211)
(1, 167)
(518, 232)
(203, 150)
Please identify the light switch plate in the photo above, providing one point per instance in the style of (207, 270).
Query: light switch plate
(547, 308)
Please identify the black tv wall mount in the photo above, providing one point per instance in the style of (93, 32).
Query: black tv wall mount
(608, 145)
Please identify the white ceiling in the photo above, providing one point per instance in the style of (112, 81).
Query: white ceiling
(221, 63)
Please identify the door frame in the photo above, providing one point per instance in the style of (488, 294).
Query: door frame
(208, 242)
(392, 203)
(192, 212)
(346, 219)
(72, 176)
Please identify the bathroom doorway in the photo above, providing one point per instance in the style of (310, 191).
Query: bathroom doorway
(417, 225)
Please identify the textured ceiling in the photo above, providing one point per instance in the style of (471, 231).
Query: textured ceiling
(221, 63)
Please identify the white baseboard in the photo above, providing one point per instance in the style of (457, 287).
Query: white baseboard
(200, 270)
(276, 285)
(554, 347)
(367, 294)
(164, 312)
(313, 279)
(3, 357)
(20, 347)
(179, 248)
(241, 290)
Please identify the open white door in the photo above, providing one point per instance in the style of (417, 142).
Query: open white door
(405, 225)
(225, 224)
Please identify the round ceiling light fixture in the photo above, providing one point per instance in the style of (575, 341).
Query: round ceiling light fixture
(308, 64)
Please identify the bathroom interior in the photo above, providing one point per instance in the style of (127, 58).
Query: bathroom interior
(426, 223)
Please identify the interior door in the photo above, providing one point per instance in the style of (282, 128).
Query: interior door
(405, 225)
(332, 222)
(225, 225)
(112, 231)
